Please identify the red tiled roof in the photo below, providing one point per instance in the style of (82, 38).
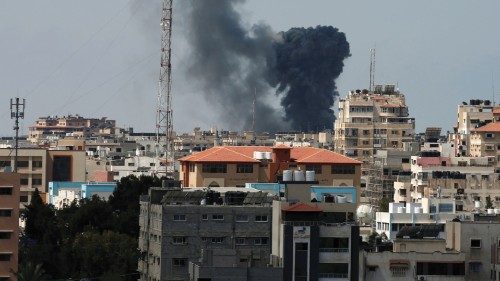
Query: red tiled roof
(244, 154)
(302, 207)
(490, 127)
(496, 110)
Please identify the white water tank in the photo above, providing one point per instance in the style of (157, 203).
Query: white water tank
(497, 211)
(310, 176)
(417, 210)
(490, 211)
(341, 199)
(258, 155)
(298, 175)
(400, 210)
(268, 155)
(287, 175)
(477, 204)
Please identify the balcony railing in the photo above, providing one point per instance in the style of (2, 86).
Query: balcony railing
(334, 250)
(333, 275)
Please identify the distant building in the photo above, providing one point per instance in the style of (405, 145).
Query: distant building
(64, 193)
(9, 225)
(237, 165)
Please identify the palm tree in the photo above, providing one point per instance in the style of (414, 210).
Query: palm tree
(30, 272)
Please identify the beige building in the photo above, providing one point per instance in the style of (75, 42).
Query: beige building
(369, 121)
(9, 224)
(237, 165)
(38, 166)
(485, 142)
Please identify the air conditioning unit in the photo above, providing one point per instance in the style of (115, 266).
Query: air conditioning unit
(421, 278)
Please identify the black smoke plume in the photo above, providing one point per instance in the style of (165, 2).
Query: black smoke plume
(232, 61)
(306, 65)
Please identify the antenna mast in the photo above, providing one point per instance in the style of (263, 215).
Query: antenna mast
(16, 112)
(253, 110)
(164, 125)
(372, 69)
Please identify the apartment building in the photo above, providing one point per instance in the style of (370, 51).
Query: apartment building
(194, 224)
(237, 165)
(9, 225)
(55, 127)
(470, 116)
(485, 142)
(64, 193)
(38, 166)
(372, 120)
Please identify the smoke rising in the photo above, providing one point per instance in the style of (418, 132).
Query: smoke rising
(231, 62)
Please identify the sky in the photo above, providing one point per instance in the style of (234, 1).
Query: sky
(101, 58)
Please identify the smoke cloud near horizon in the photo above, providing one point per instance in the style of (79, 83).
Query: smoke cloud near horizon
(231, 62)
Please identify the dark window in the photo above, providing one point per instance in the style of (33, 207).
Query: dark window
(23, 198)
(244, 168)
(475, 243)
(179, 262)
(23, 181)
(61, 168)
(191, 167)
(179, 240)
(343, 169)
(5, 235)
(4, 164)
(118, 149)
(261, 218)
(334, 244)
(5, 213)
(36, 181)
(214, 168)
(37, 164)
(301, 246)
(241, 218)
(5, 257)
(218, 217)
(130, 164)
(179, 217)
(333, 270)
(260, 241)
(318, 169)
(405, 160)
(204, 217)
(23, 164)
(5, 190)
(240, 241)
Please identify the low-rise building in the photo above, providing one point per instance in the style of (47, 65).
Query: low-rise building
(64, 193)
(9, 225)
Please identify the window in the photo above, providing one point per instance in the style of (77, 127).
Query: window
(191, 167)
(5, 190)
(260, 241)
(217, 217)
(399, 271)
(5, 257)
(23, 198)
(179, 240)
(61, 168)
(475, 267)
(130, 164)
(261, 218)
(241, 218)
(151, 164)
(176, 262)
(318, 169)
(366, 132)
(214, 240)
(37, 164)
(301, 246)
(36, 181)
(445, 207)
(5, 235)
(475, 243)
(214, 168)
(180, 217)
(240, 241)
(24, 181)
(489, 135)
(5, 212)
(118, 149)
(244, 168)
(204, 217)
(405, 160)
(343, 169)
(334, 244)
(22, 164)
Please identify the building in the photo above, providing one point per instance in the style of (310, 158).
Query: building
(369, 121)
(485, 142)
(179, 226)
(430, 211)
(238, 165)
(64, 193)
(9, 225)
(53, 128)
(38, 166)
(419, 253)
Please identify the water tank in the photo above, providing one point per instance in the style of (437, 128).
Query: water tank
(400, 210)
(287, 175)
(490, 211)
(137, 152)
(418, 210)
(268, 155)
(298, 175)
(203, 202)
(310, 176)
(341, 199)
(477, 204)
(258, 155)
(497, 211)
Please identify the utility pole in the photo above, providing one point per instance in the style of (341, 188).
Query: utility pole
(253, 113)
(164, 124)
(16, 112)
(372, 69)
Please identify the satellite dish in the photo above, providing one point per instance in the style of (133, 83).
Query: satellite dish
(364, 214)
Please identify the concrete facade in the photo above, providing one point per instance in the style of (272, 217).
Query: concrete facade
(9, 224)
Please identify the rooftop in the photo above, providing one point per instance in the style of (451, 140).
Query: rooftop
(490, 127)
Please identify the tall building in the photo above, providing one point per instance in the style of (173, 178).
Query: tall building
(179, 227)
(369, 121)
(237, 165)
(9, 225)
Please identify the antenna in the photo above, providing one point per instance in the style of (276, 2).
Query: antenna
(493, 88)
(164, 125)
(372, 69)
(253, 111)
(16, 112)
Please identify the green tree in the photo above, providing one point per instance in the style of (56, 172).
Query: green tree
(30, 272)
(384, 205)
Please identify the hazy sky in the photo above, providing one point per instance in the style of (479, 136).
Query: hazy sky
(101, 58)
